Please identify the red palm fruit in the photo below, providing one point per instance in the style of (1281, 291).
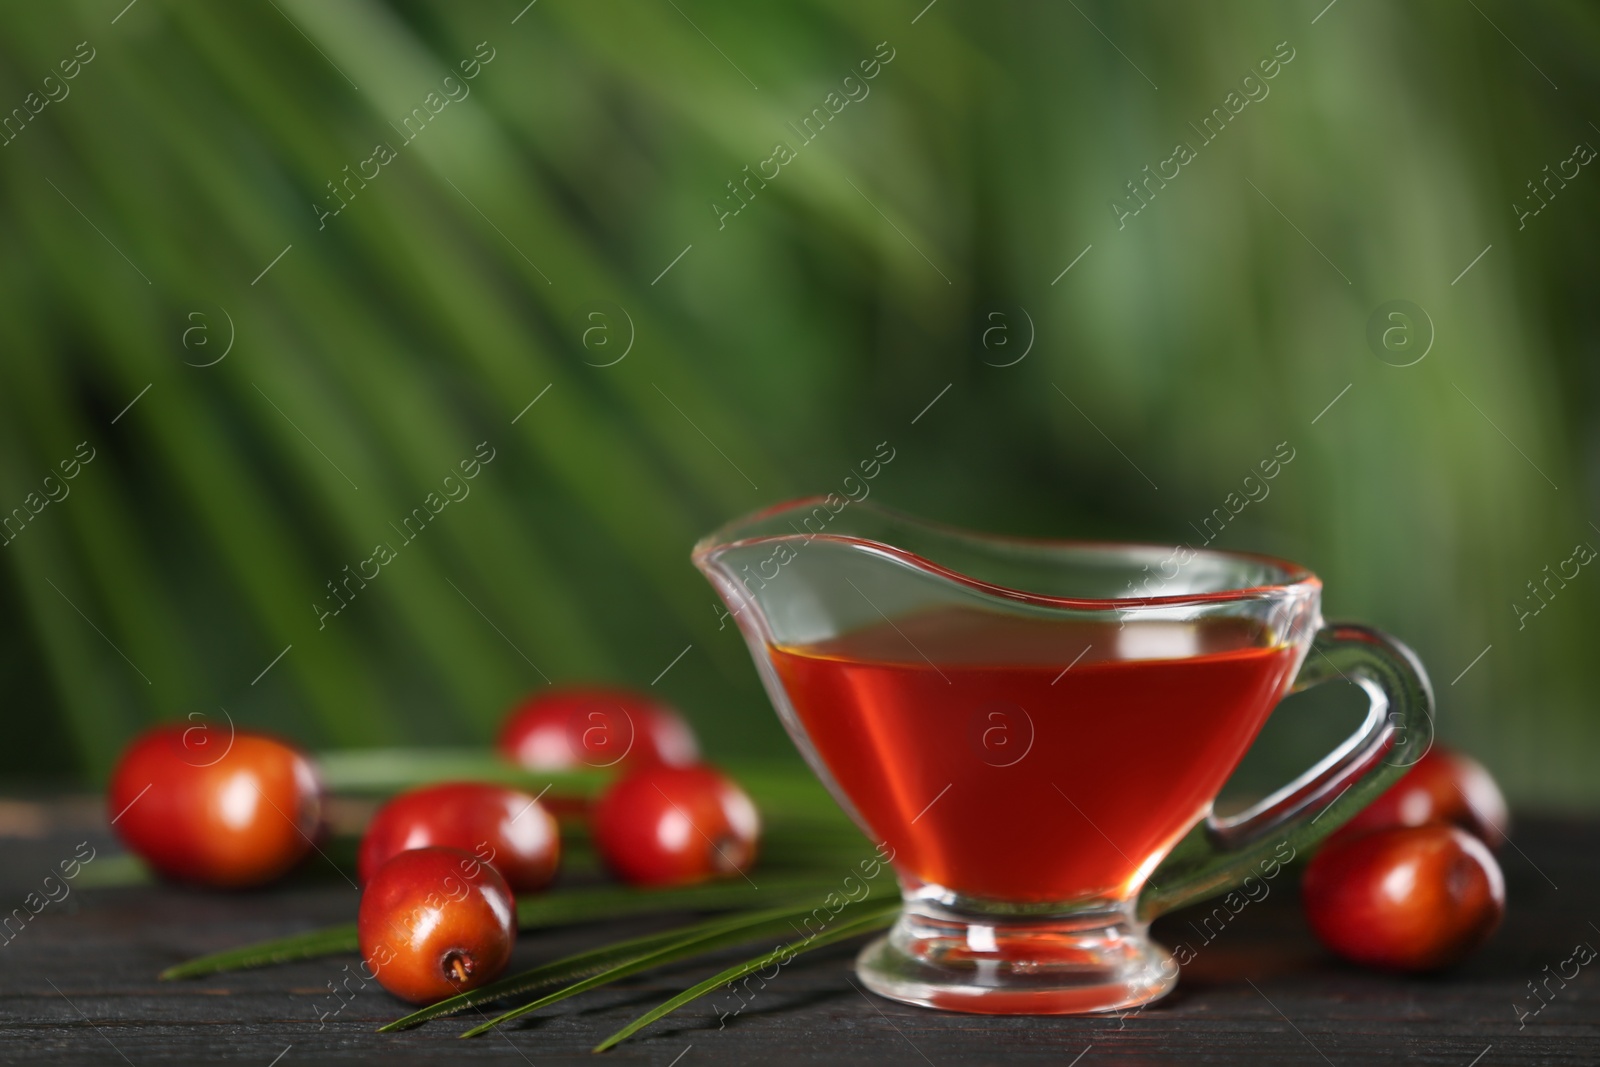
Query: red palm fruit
(589, 726)
(435, 922)
(1408, 898)
(1444, 786)
(506, 828)
(675, 826)
(215, 807)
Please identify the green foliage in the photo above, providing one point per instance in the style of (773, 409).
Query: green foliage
(389, 340)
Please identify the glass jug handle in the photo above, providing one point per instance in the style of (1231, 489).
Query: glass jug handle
(1220, 854)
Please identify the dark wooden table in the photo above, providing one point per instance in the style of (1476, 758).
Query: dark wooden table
(77, 985)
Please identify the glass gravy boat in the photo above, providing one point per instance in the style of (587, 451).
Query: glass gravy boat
(1035, 732)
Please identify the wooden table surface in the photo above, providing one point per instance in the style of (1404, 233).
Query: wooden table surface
(77, 985)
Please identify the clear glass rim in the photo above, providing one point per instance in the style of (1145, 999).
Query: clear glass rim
(1297, 581)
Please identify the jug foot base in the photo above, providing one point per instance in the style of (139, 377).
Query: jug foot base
(1015, 965)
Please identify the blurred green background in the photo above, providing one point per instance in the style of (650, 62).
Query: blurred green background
(165, 205)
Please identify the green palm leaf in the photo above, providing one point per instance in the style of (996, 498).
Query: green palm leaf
(874, 917)
(571, 969)
(751, 926)
(556, 908)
